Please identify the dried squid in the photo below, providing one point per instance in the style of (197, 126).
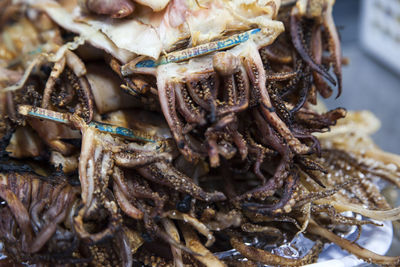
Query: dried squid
(181, 133)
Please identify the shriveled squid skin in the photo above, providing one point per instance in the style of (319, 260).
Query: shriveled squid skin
(115, 9)
(156, 5)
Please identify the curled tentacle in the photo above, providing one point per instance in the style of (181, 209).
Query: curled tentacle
(322, 87)
(192, 241)
(166, 94)
(167, 175)
(355, 249)
(20, 214)
(334, 45)
(297, 39)
(266, 257)
(285, 203)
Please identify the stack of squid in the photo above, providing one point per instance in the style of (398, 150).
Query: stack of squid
(180, 133)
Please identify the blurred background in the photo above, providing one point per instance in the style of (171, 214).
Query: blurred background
(370, 33)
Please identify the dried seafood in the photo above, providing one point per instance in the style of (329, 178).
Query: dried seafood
(179, 132)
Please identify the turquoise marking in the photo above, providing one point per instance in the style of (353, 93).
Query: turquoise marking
(146, 64)
(199, 50)
(36, 51)
(108, 128)
(103, 127)
(47, 117)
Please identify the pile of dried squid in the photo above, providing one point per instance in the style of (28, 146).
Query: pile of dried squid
(180, 133)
